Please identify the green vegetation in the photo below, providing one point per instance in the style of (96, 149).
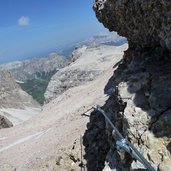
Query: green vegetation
(36, 87)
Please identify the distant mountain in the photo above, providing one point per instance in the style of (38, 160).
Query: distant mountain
(28, 69)
(34, 75)
(106, 38)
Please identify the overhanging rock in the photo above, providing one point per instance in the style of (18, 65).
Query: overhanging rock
(146, 24)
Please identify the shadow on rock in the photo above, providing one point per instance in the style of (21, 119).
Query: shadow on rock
(139, 105)
(95, 141)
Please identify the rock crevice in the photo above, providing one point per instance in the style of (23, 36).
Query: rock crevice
(139, 107)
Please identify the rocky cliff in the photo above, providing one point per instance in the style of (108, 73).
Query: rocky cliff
(15, 104)
(11, 94)
(144, 24)
(140, 96)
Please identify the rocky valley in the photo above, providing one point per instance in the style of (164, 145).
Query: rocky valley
(34, 75)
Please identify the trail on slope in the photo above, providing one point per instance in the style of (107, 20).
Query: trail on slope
(56, 128)
(22, 140)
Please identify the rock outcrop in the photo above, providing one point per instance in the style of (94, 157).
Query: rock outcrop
(139, 92)
(88, 63)
(11, 94)
(5, 123)
(146, 24)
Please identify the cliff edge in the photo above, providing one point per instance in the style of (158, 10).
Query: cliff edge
(139, 91)
(143, 23)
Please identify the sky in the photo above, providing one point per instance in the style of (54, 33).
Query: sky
(34, 28)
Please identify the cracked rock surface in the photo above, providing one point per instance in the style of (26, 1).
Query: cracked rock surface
(140, 107)
(139, 91)
(143, 23)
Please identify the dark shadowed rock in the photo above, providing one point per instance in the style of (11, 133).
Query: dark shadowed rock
(5, 123)
(140, 104)
(143, 23)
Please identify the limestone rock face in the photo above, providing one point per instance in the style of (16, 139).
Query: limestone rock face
(139, 103)
(139, 106)
(143, 23)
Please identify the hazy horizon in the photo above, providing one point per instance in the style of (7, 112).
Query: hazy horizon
(36, 28)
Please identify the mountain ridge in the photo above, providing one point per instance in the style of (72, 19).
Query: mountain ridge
(26, 69)
(87, 63)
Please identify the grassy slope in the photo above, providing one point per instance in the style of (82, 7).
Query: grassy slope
(36, 87)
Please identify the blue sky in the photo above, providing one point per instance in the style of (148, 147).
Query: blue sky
(33, 28)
